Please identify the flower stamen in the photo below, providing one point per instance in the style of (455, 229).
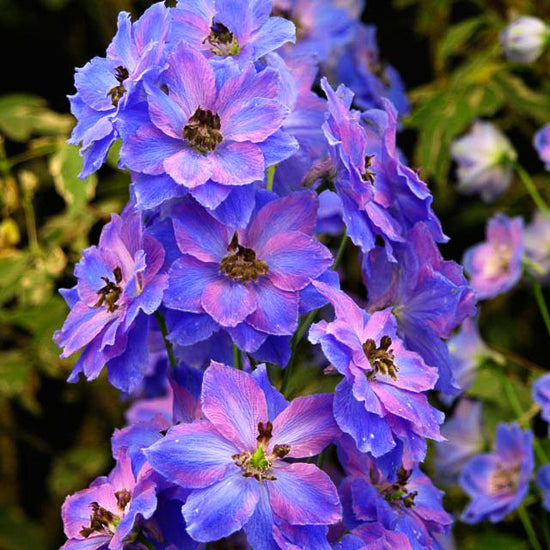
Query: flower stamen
(241, 263)
(381, 358)
(116, 92)
(202, 131)
(110, 292)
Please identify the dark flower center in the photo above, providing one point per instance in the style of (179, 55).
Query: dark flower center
(104, 522)
(259, 464)
(116, 92)
(504, 479)
(202, 131)
(397, 491)
(222, 41)
(381, 358)
(241, 263)
(368, 175)
(110, 292)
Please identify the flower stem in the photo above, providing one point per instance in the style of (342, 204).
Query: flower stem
(532, 189)
(169, 350)
(340, 253)
(541, 302)
(529, 529)
(237, 358)
(522, 419)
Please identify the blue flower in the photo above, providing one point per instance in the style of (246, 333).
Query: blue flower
(108, 88)
(241, 29)
(381, 402)
(233, 462)
(541, 142)
(249, 282)
(497, 482)
(120, 285)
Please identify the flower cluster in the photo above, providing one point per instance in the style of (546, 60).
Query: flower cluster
(199, 295)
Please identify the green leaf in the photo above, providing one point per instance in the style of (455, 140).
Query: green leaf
(456, 38)
(15, 373)
(65, 166)
(17, 533)
(22, 115)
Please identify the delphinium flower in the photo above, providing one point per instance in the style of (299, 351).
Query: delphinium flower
(112, 511)
(241, 30)
(404, 511)
(543, 483)
(429, 297)
(495, 265)
(464, 439)
(484, 157)
(497, 482)
(541, 395)
(321, 26)
(247, 282)
(207, 135)
(542, 144)
(536, 238)
(468, 351)
(234, 463)
(360, 69)
(119, 286)
(381, 402)
(381, 196)
(525, 38)
(108, 88)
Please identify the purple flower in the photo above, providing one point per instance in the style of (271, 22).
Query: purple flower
(468, 351)
(495, 265)
(541, 142)
(359, 67)
(484, 157)
(233, 462)
(249, 281)
(241, 29)
(380, 195)
(405, 511)
(213, 125)
(111, 511)
(321, 26)
(463, 440)
(381, 401)
(543, 483)
(525, 38)
(536, 237)
(428, 295)
(541, 395)
(497, 482)
(108, 88)
(119, 287)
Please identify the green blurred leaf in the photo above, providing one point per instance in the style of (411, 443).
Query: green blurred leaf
(65, 166)
(17, 533)
(456, 38)
(22, 115)
(11, 271)
(15, 373)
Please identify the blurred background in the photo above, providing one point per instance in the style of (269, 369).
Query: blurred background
(54, 436)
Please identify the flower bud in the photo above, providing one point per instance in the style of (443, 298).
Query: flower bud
(525, 38)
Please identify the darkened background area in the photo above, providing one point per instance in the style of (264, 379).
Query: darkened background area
(54, 437)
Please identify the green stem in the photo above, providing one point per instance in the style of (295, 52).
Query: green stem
(145, 541)
(520, 413)
(321, 458)
(271, 176)
(32, 154)
(529, 529)
(532, 189)
(169, 350)
(340, 253)
(237, 358)
(541, 302)
(30, 222)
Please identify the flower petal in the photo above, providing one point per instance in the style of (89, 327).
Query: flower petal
(188, 167)
(228, 302)
(234, 402)
(235, 163)
(192, 455)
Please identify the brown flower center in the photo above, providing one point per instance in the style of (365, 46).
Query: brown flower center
(110, 292)
(504, 479)
(241, 263)
(116, 92)
(368, 175)
(222, 41)
(397, 491)
(259, 464)
(381, 358)
(202, 131)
